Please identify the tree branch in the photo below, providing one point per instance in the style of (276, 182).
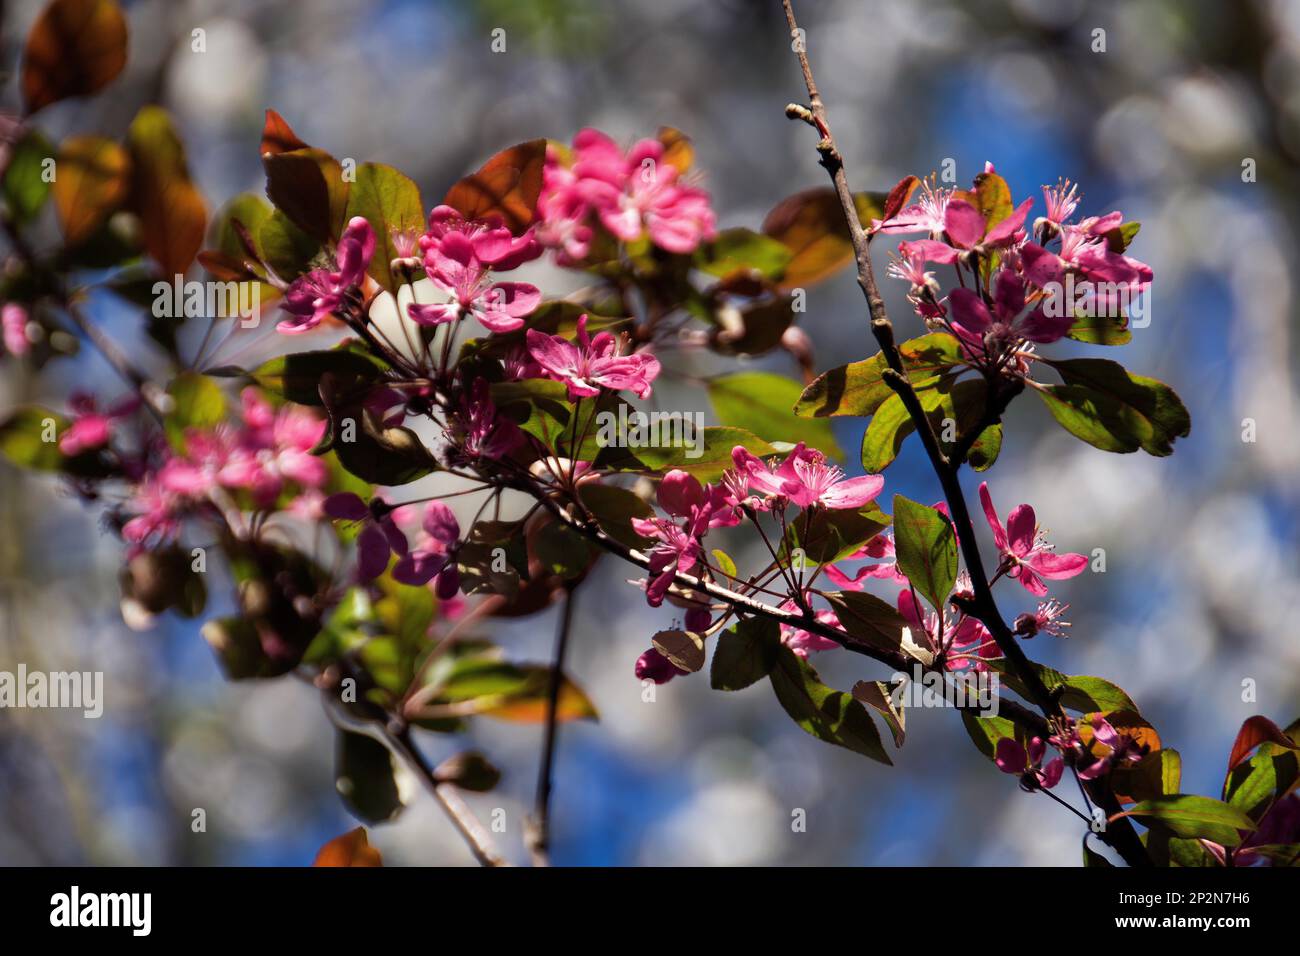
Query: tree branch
(1121, 835)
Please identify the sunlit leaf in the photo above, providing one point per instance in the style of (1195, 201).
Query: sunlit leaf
(75, 48)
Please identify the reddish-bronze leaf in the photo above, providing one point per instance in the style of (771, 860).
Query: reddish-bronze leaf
(307, 186)
(898, 197)
(76, 47)
(1255, 731)
(172, 211)
(278, 136)
(506, 186)
(678, 151)
(811, 225)
(94, 176)
(350, 849)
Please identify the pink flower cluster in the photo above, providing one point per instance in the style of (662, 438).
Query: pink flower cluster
(461, 257)
(1041, 281)
(269, 454)
(593, 363)
(802, 478)
(631, 194)
(432, 559)
(323, 292)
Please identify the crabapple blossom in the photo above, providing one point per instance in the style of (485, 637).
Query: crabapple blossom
(1026, 555)
(593, 363)
(322, 292)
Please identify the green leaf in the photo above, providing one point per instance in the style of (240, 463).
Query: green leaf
(562, 551)
(516, 692)
(1192, 816)
(1158, 774)
(986, 732)
(743, 249)
(296, 377)
(858, 389)
(879, 696)
(25, 186)
(745, 654)
(825, 713)
(364, 775)
(927, 549)
(826, 535)
(1100, 330)
(868, 619)
(724, 563)
(285, 248)
(196, 402)
(614, 508)
(1114, 410)
(708, 459)
(391, 202)
(760, 402)
(1255, 785)
(29, 438)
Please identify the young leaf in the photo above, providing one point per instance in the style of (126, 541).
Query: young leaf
(391, 202)
(1108, 407)
(25, 186)
(825, 713)
(278, 136)
(745, 654)
(171, 208)
(1188, 815)
(1255, 731)
(350, 849)
(858, 389)
(684, 648)
(926, 547)
(76, 47)
(507, 185)
(93, 182)
(307, 185)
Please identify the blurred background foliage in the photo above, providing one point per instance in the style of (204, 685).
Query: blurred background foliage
(1201, 571)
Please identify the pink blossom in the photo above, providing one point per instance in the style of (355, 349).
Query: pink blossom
(964, 635)
(677, 546)
(967, 228)
(13, 321)
(1061, 201)
(479, 430)
(461, 257)
(880, 548)
(1026, 555)
(803, 642)
(805, 479)
(655, 667)
(593, 363)
(1045, 620)
(434, 554)
(91, 428)
(380, 537)
(1123, 749)
(926, 214)
(632, 194)
(157, 514)
(274, 448)
(319, 293)
(1012, 757)
(1010, 320)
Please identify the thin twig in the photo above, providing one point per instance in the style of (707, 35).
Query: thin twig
(539, 837)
